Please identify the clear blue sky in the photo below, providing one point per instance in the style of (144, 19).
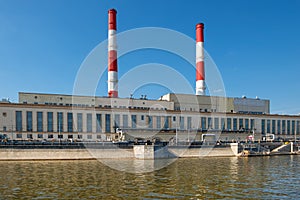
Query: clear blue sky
(255, 43)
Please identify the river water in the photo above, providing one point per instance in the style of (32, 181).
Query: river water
(275, 177)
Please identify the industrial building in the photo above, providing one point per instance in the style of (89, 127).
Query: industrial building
(53, 116)
(90, 118)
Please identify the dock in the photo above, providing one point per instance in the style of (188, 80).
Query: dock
(270, 149)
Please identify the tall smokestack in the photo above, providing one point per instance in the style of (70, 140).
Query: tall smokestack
(200, 74)
(112, 55)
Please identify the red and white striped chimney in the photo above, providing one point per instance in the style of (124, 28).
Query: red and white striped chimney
(200, 74)
(112, 54)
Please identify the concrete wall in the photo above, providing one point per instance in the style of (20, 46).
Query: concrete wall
(63, 154)
(206, 151)
(139, 152)
(44, 154)
(149, 151)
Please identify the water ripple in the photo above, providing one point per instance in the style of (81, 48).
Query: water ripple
(205, 178)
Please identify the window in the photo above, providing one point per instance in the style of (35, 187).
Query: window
(50, 136)
(40, 136)
(263, 126)
(89, 123)
(29, 120)
(288, 127)
(298, 127)
(166, 122)
(117, 121)
(99, 137)
(150, 124)
(268, 126)
(4, 114)
(235, 124)
(181, 123)
(216, 123)
(252, 124)
(79, 122)
(189, 123)
(283, 126)
(98, 123)
(293, 127)
(241, 123)
(50, 121)
(222, 123)
(125, 121)
(70, 122)
(89, 137)
(4, 128)
(60, 136)
(142, 117)
(229, 123)
(158, 122)
(60, 125)
(70, 136)
(79, 136)
(246, 124)
(203, 123)
(278, 127)
(209, 122)
(133, 121)
(39, 116)
(174, 118)
(19, 135)
(107, 123)
(273, 126)
(29, 136)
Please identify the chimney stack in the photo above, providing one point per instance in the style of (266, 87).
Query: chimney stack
(200, 74)
(112, 55)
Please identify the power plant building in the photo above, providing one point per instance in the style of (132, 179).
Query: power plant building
(53, 116)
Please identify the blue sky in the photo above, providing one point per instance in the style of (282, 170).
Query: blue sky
(255, 44)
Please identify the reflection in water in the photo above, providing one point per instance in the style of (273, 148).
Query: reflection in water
(137, 165)
(251, 178)
(234, 166)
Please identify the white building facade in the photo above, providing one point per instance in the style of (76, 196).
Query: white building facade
(53, 117)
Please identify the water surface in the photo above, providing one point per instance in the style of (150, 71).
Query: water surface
(275, 177)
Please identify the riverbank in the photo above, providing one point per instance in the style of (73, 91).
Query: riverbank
(113, 151)
(92, 151)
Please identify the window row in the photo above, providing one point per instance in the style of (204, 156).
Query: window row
(87, 122)
(288, 127)
(59, 136)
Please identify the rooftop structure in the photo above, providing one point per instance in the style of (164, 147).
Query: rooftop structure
(179, 102)
(92, 101)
